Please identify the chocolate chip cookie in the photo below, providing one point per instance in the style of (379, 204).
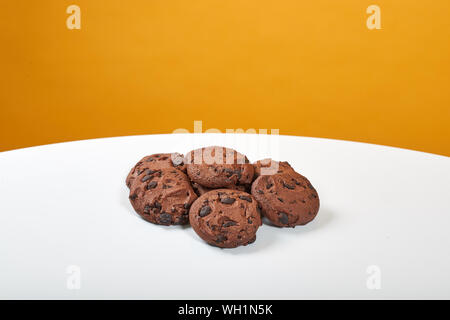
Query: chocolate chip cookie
(155, 162)
(162, 196)
(225, 218)
(269, 167)
(218, 167)
(286, 199)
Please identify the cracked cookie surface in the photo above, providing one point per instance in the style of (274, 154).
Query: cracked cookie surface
(162, 196)
(155, 162)
(225, 218)
(201, 190)
(286, 199)
(269, 167)
(218, 167)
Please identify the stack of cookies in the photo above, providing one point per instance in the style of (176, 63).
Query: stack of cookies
(220, 193)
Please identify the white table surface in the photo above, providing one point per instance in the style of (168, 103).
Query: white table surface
(67, 205)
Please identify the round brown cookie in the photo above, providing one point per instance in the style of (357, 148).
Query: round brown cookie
(155, 162)
(218, 167)
(162, 196)
(269, 167)
(225, 218)
(286, 199)
(201, 190)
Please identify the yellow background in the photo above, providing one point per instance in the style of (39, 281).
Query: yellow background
(309, 68)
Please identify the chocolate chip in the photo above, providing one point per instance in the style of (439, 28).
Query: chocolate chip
(204, 211)
(133, 196)
(187, 205)
(147, 209)
(249, 221)
(150, 160)
(260, 191)
(229, 172)
(165, 218)
(152, 185)
(221, 238)
(157, 205)
(281, 200)
(182, 220)
(269, 185)
(166, 186)
(145, 178)
(283, 218)
(229, 224)
(245, 198)
(227, 200)
(288, 186)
